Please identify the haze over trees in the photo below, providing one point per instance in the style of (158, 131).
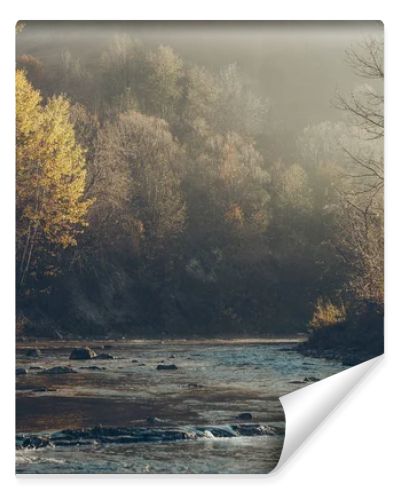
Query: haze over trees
(152, 198)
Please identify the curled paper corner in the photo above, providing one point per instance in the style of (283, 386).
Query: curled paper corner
(306, 408)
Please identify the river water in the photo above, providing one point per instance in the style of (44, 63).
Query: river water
(138, 419)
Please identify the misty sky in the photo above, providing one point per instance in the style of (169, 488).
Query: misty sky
(297, 65)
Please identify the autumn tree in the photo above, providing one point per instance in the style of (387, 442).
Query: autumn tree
(196, 107)
(228, 187)
(34, 70)
(119, 68)
(159, 86)
(50, 180)
(138, 170)
(238, 108)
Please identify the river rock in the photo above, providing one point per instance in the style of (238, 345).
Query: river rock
(245, 416)
(167, 367)
(35, 442)
(33, 353)
(311, 379)
(59, 370)
(82, 353)
(154, 420)
(192, 385)
(20, 371)
(104, 355)
(93, 367)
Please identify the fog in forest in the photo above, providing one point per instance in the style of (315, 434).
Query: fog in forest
(228, 177)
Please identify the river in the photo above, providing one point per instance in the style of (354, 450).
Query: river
(217, 412)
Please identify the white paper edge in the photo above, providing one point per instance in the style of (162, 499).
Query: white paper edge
(306, 408)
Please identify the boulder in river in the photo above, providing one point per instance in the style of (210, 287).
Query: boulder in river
(245, 416)
(20, 371)
(82, 353)
(167, 367)
(311, 379)
(59, 370)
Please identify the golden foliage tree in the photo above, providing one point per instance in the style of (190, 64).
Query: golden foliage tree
(50, 182)
(138, 172)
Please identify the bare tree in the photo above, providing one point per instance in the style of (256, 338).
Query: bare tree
(361, 236)
(365, 107)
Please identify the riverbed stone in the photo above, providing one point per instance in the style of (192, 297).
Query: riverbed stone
(93, 368)
(32, 353)
(59, 370)
(82, 353)
(245, 416)
(104, 355)
(35, 442)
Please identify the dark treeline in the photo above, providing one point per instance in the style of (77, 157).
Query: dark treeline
(185, 218)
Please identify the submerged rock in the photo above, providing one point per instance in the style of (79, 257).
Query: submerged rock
(20, 371)
(59, 370)
(167, 367)
(245, 416)
(311, 379)
(104, 355)
(82, 353)
(40, 389)
(254, 430)
(131, 435)
(93, 367)
(192, 385)
(33, 353)
(32, 442)
(154, 420)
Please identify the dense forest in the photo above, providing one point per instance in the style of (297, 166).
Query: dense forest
(153, 200)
